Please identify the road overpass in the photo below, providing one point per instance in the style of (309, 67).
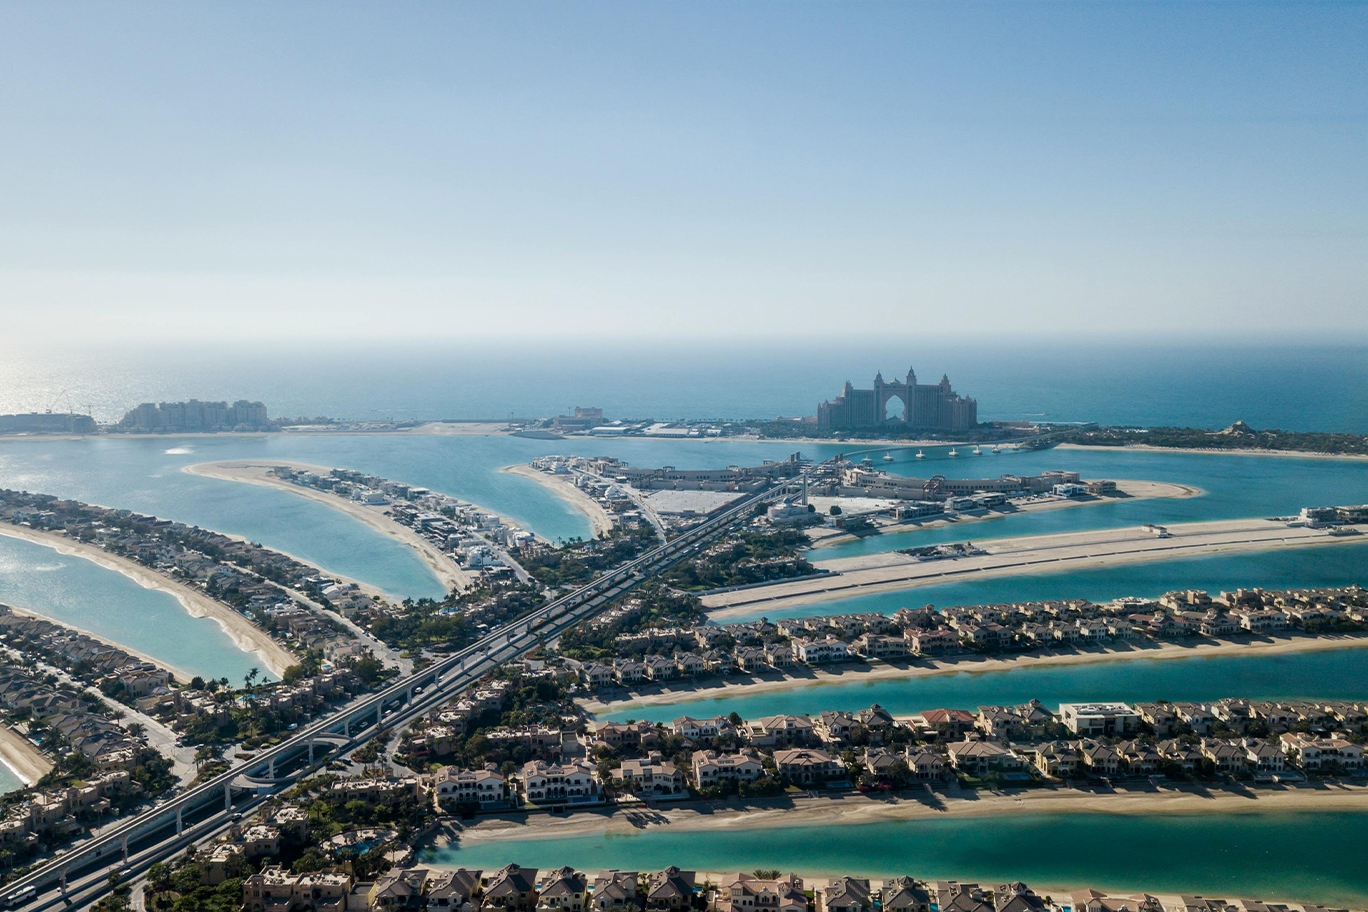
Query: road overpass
(132, 846)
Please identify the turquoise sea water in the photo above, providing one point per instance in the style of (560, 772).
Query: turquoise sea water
(106, 603)
(1333, 674)
(1333, 565)
(145, 474)
(1311, 856)
(1314, 857)
(1292, 385)
(8, 780)
(1234, 487)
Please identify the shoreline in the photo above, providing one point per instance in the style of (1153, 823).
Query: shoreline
(446, 570)
(21, 757)
(1132, 491)
(1214, 451)
(883, 671)
(245, 635)
(442, 429)
(180, 674)
(1020, 555)
(425, 429)
(598, 517)
(855, 809)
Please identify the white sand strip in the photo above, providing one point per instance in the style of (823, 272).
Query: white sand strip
(860, 673)
(25, 760)
(567, 492)
(891, 571)
(245, 635)
(447, 571)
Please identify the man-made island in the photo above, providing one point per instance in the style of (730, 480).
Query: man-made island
(914, 567)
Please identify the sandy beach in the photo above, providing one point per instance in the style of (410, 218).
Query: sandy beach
(17, 753)
(572, 495)
(850, 808)
(180, 674)
(1130, 490)
(447, 571)
(890, 571)
(1212, 451)
(244, 634)
(858, 673)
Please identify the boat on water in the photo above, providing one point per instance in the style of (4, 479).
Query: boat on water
(978, 452)
(866, 462)
(888, 457)
(952, 452)
(920, 454)
(997, 449)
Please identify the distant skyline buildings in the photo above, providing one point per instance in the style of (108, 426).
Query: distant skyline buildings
(458, 172)
(195, 415)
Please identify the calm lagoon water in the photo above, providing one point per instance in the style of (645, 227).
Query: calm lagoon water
(145, 474)
(9, 782)
(1332, 565)
(79, 592)
(1234, 487)
(1333, 674)
(1314, 857)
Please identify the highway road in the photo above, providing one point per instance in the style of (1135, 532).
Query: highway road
(79, 876)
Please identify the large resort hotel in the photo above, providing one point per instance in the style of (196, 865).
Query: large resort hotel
(924, 405)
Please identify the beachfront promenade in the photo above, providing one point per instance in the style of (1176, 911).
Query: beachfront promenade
(892, 571)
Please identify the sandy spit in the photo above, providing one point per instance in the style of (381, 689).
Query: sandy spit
(447, 571)
(1213, 451)
(1073, 551)
(244, 634)
(880, 671)
(17, 753)
(1133, 490)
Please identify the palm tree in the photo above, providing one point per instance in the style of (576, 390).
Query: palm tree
(203, 755)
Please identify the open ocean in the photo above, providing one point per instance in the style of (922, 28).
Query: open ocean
(1296, 386)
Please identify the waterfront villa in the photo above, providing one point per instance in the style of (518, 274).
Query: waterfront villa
(575, 782)
(1098, 719)
(808, 767)
(746, 893)
(711, 768)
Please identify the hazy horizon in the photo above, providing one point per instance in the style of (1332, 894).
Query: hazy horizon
(334, 172)
(1319, 386)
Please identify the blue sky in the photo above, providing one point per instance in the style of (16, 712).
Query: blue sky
(614, 170)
